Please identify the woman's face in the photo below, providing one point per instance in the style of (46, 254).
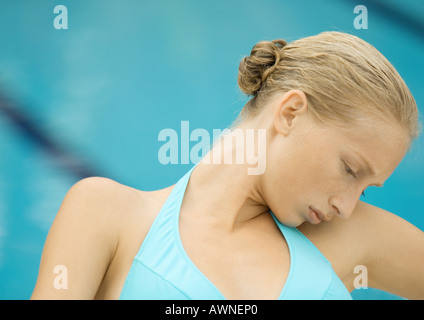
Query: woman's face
(318, 172)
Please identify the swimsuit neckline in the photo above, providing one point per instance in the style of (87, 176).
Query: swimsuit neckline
(197, 270)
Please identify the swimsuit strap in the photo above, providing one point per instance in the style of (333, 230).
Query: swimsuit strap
(163, 270)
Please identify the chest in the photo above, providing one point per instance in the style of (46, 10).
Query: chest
(252, 263)
(248, 264)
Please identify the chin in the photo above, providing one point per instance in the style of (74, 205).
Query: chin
(294, 222)
(290, 221)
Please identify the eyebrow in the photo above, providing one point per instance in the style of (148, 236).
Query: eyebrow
(368, 167)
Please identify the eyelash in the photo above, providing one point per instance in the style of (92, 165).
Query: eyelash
(350, 171)
(353, 174)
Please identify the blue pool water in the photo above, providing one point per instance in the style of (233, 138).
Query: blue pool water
(92, 99)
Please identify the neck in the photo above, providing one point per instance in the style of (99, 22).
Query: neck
(223, 191)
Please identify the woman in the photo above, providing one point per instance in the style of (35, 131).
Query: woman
(338, 118)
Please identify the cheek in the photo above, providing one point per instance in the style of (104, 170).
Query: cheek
(319, 177)
(304, 172)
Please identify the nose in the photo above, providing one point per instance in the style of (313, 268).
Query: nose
(343, 204)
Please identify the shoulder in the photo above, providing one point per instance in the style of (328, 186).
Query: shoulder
(112, 207)
(371, 237)
(393, 253)
(102, 192)
(358, 230)
(99, 203)
(346, 243)
(96, 216)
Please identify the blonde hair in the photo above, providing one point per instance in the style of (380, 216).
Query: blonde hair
(345, 79)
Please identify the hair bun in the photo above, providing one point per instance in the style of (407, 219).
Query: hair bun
(255, 69)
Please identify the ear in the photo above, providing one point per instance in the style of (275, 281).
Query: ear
(288, 108)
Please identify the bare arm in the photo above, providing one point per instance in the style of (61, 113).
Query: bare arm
(391, 249)
(395, 253)
(80, 244)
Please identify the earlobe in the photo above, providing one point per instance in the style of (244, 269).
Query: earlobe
(288, 109)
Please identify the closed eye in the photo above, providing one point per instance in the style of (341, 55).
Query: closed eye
(353, 174)
(350, 171)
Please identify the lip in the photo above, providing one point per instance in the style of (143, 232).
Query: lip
(320, 215)
(314, 216)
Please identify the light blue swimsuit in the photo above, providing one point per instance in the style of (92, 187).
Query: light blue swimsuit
(162, 269)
